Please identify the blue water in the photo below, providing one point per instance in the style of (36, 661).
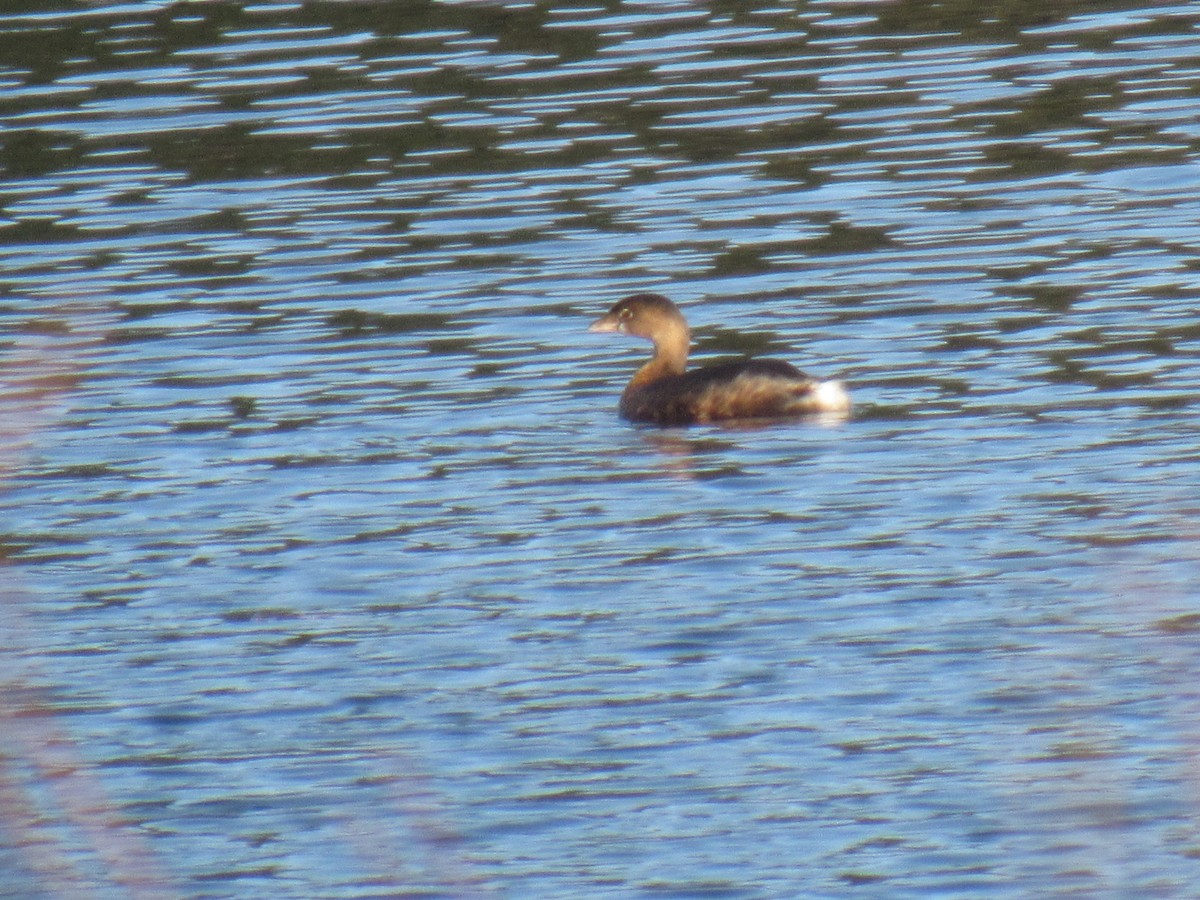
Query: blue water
(330, 570)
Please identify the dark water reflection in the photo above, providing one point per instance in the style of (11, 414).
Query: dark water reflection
(330, 571)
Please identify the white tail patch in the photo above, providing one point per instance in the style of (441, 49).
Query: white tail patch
(831, 396)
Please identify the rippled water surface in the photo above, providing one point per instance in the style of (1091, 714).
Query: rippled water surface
(330, 571)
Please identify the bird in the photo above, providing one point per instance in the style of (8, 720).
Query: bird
(664, 392)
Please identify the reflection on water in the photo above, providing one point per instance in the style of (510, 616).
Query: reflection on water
(331, 571)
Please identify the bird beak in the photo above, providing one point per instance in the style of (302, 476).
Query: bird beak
(607, 324)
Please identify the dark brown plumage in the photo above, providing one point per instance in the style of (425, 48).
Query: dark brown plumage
(663, 392)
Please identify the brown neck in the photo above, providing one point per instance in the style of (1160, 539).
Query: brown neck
(670, 356)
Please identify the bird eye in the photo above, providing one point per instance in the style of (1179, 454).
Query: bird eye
(626, 313)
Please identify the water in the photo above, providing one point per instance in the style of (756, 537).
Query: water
(330, 570)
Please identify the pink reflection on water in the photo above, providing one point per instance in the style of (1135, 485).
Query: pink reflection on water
(69, 836)
(53, 804)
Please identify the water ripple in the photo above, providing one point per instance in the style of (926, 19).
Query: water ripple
(332, 570)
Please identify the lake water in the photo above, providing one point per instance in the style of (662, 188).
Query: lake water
(329, 570)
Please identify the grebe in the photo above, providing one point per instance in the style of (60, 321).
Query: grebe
(664, 393)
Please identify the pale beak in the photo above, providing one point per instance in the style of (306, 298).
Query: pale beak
(607, 324)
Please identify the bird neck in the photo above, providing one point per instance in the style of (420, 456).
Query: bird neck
(670, 355)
